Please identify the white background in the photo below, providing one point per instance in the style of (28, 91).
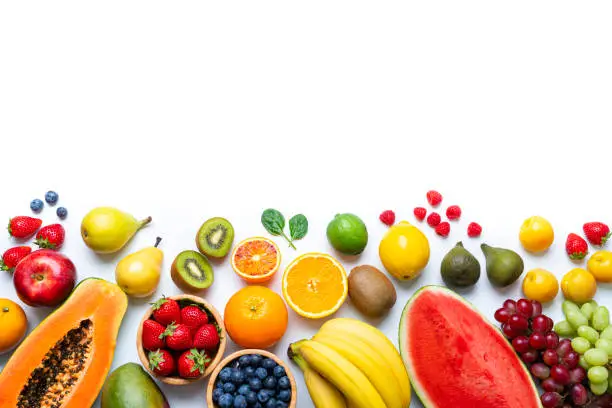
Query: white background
(188, 110)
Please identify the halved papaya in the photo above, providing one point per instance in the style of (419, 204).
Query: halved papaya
(64, 361)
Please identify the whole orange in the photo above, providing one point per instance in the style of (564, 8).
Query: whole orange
(13, 324)
(255, 317)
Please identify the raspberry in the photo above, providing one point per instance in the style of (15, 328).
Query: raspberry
(387, 217)
(433, 219)
(453, 212)
(474, 230)
(443, 229)
(434, 198)
(420, 213)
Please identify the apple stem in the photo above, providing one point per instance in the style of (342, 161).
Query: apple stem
(157, 241)
(145, 222)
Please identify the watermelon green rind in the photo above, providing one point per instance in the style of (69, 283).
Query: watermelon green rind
(404, 343)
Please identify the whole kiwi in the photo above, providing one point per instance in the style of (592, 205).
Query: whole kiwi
(371, 291)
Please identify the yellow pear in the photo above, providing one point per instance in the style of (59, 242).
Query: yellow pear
(138, 273)
(106, 230)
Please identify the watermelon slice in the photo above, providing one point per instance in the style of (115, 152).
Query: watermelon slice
(456, 358)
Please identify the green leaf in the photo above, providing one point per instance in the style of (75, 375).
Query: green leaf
(273, 221)
(298, 226)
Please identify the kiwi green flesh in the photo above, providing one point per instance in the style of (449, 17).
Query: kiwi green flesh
(193, 270)
(215, 237)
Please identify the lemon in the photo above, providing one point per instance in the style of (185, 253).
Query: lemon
(536, 234)
(578, 285)
(600, 265)
(404, 251)
(540, 285)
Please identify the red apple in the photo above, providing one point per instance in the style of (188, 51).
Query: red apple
(44, 278)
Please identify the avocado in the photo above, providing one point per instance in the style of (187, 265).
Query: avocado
(504, 266)
(460, 268)
(129, 386)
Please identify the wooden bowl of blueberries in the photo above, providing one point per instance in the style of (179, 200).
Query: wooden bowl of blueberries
(250, 378)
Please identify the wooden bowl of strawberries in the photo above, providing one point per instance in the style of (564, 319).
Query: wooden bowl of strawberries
(181, 339)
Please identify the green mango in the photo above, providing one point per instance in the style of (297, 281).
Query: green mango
(129, 386)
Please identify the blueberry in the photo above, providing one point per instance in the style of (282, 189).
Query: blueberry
(263, 396)
(268, 364)
(258, 405)
(269, 383)
(251, 397)
(255, 384)
(226, 401)
(225, 374)
(271, 403)
(261, 373)
(61, 212)
(237, 376)
(51, 197)
(235, 364)
(249, 372)
(244, 361)
(219, 384)
(244, 389)
(217, 393)
(256, 360)
(281, 404)
(240, 402)
(284, 383)
(279, 371)
(229, 387)
(284, 395)
(36, 205)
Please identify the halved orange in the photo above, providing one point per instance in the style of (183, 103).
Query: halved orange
(315, 285)
(256, 259)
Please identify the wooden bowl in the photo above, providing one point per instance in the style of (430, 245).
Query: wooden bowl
(142, 354)
(234, 356)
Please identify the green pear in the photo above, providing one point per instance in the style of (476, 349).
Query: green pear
(106, 230)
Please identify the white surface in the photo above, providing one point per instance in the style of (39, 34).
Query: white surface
(187, 110)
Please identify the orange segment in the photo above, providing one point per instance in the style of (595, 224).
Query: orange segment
(256, 259)
(315, 285)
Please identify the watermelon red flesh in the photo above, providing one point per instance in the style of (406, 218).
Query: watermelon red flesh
(455, 358)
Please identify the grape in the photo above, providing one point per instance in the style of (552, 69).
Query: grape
(550, 357)
(576, 319)
(552, 340)
(564, 329)
(537, 341)
(583, 363)
(518, 323)
(521, 344)
(581, 345)
(510, 305)
(587, 310)
(596, 357)
(539, 324)
(571, 359)
(537, 308)
(606, 333)
(529, 356)
(588, 333)
(560, 374)
(551, 399)
(569, 306)
(609, 383)
(577, 375)
(601, 318)
(599, 388)
(509, 332)
(502, 315)
(565, 346)
(606, 345)
(541, 371)
(596, 374)
(551, 385)
(524, 307)
(579, 394)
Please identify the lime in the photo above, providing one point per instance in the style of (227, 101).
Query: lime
(347, 234)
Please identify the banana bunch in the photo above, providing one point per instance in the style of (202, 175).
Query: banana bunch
(349, 363)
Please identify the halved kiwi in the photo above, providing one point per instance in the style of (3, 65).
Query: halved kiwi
(191, 271)
(215, 237)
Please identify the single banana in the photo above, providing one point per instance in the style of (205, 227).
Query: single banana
(361, 355)
(336, 369)
(322, 393)
(379, 344)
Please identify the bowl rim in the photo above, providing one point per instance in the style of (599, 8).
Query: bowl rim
(235, 355)
(142, 354)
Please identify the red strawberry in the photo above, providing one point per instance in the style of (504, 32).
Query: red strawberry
(193, 317)
(166, 311)
(12, 256)
(434, 198)
(23, 227)
(420, 213)
(433, 219)
(453, 212)
(153, 335)
(474, 230)
(51, 236)
(576, 247)
(597, 233)
(443, 229)
(193, 363)
(387, 217)
(161, 362)
(178, 336)
(206, 337)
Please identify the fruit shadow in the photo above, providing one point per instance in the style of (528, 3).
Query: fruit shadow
(408, 284)
(345, 257)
